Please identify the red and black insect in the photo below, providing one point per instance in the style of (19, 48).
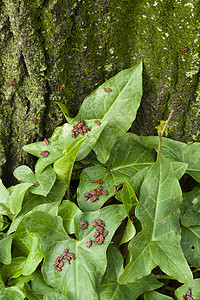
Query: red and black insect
(44, 153)
(58, 87)
(107, 90)
(94, 180)
(84, 224)
(99, 222)
(73, 173)
(67, 261)
(96, 234)
(36, 184)
(71, 255)
(89, 244)
(57, 269)
(99, 228)
(94, 198)
(12, 82)
(184, 50)
(114, 189)
(104, 192)
(188, 295)
(46, 142)
(105, 232)
(97, 122)
(35, 121)
(94, 224)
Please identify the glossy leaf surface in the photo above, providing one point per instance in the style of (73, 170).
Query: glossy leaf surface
(110, 288)
(159, 241)
(118, 107)
(83, 273)
(127, 157)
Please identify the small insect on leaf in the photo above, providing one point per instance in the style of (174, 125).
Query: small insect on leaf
(184, 50)
(89, 244)
(107, 90)
(12, 82)
(99, 222)
(44, 154)
(58, 87)
(46, 142)
(114, 189)
(97, 122)
(104, 192)
(35, 121)
(36, 184)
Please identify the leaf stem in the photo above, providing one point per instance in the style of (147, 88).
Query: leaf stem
(164, 277)
(161, 134)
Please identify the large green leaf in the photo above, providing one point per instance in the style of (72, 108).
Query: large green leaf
(30, 201)
(17, 196)
(190, 242)
(128, 197)
(5, 248)
(64, 165)
(159, 241)
(194, 287)
(14, 269)
(4, 201)
(46, 179)
(191, 207)
(84, 273)
(13, 293)
(60, 140)
(111, 289)
(68, 210)
(180, 152)
(118, 107)
(127, 157)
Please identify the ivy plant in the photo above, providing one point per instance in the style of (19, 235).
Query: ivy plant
(104, 215)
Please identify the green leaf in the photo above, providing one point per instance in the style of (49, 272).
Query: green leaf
(68, 210)
(30, 201)
(128, 156)
(60, 140)
(85, 272)
(129, 232)
(159, 241)
(58, 191)
(64, 166)
(13, 293)
(39, 287)
(46, 179)
(4, 201)
(156, 296)
(191, 205)
(127, 197)
(110, 288)
(180, 152)
(14, 269)
(65, 111)
(119, 107)
(5, 248)
(190, 242)
(54, 296)
(17, 196)
(195, 291)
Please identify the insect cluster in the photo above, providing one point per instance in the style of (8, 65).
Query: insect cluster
(80, 127)
(100, 233)
(188, 295)
(64, 257)
(94, 194)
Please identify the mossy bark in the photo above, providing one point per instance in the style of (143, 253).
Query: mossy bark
(79, 44)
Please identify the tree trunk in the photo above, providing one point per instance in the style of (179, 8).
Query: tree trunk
(78, 45)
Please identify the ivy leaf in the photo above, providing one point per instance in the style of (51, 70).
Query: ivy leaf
(17, 196)
(190, 242)
(159, 241)
(13, 293)
(5, 201)
(65, 111)
(156, 296)
(195, 291)
(64, 166)
(110, 288)
(129, 232)
(68, 210)
(46, 179)
(79, 282)
(14, 269)
(60, 140)
(127, 196)
(180, 152)
(118, 107)
(127, 157)
(5, 248)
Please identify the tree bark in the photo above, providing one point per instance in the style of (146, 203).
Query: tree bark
(80, 44)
